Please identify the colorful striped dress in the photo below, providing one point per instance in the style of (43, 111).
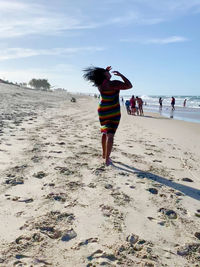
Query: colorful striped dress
(109, 111)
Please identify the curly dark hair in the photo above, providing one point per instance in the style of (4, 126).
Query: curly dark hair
(95, 75)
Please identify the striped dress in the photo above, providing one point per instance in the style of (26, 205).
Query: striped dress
(109, 111)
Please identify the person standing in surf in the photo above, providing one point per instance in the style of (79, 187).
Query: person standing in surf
(173, 103)
(160, 102)
(109, 106)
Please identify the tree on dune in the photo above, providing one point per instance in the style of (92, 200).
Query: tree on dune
(42, 84)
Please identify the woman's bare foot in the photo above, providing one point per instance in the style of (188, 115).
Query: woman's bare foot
(108, 162)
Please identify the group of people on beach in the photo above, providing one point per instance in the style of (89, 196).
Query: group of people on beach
(172, 103)
(134, 106)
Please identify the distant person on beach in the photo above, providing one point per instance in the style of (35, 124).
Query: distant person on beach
(136, 106)
(122, 99)
(133, 105)
(173, 103)
(140, 105)
(184, 103)
(127, 104)
(73, 99)
(109, 106)
(160, 102)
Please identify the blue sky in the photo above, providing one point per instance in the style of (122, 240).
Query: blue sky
(155, 43)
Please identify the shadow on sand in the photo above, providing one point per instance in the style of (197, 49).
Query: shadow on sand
(187, 190)
(157, 118)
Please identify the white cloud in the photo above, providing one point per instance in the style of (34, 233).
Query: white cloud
(135, 18)
(21, 18)
(14, 53)
(12, 6)
(168, 40)
(162, 41)
(147, 12)
(181, 5)
(169, 6)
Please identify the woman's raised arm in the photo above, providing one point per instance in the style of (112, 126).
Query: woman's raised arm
(118, 85)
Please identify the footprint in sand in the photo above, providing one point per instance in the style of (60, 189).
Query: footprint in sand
(92, 185)
(64, 170)
(149, 154)
(68, 235)
(61, 143)
(162, 223)
(157, 160)
(75, 185)
(15, 181)
(51, 232)
(87, 241)
(57, 152)
(191, 251)
(187, 180)
(170, 214)
(153, 191)
(197, 213)
(40, 175)
(120, 198)
(116, 217)
(108, 186)
(27, 200)
(99, 254)
(57, 197)
(36, 159)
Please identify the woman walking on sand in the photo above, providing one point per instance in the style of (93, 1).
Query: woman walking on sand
(109, 106)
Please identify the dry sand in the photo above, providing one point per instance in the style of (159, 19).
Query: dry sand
(60, 205)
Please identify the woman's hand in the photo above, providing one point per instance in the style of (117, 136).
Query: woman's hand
(108, 68)
(117, 73)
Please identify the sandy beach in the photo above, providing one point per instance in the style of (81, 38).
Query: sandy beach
(61, 206)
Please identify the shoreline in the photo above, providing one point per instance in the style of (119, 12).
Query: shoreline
(191, 112)
(184, 114)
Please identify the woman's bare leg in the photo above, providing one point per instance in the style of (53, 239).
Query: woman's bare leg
(103, 142)
(109, 145)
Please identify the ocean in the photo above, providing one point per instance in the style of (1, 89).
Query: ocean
(191, 112)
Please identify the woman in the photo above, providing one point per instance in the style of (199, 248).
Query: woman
(109, 107)
(133, 105)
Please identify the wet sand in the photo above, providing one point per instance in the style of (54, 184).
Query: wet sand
(180, 113)
(60, 205)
